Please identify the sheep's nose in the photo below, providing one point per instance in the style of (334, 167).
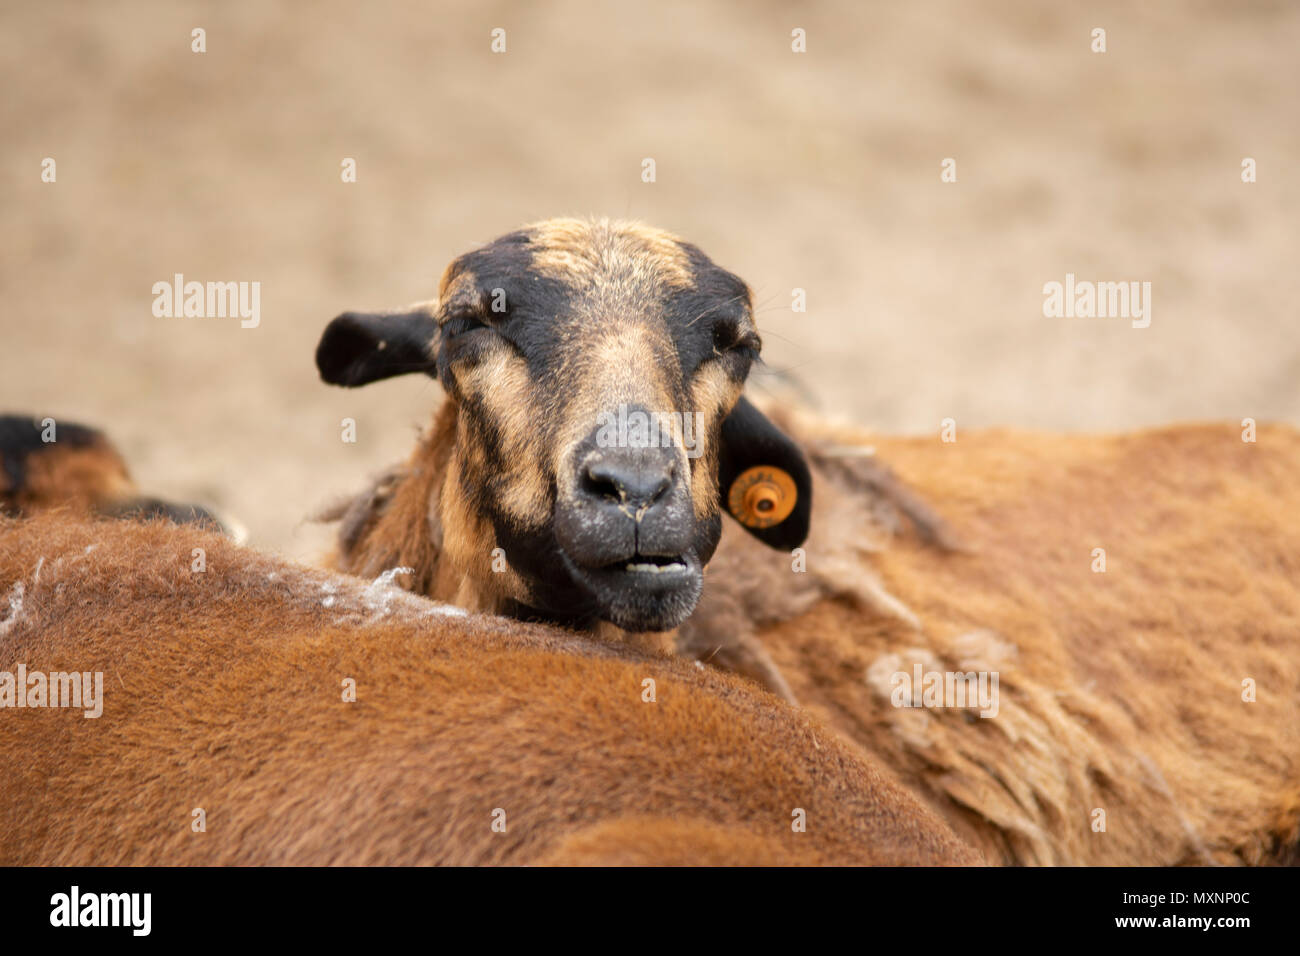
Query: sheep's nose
(637, 477)
(628, 494)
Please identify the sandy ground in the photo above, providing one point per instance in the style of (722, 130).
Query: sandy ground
(816, 170)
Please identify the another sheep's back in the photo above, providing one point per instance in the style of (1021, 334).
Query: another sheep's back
(1121, 692)
(223, 691)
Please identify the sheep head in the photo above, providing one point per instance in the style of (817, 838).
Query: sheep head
(596, 371)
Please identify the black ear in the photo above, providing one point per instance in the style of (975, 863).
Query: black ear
(764, 478)
(363, 347)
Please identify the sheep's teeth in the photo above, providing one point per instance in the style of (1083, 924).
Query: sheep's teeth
(655, 568)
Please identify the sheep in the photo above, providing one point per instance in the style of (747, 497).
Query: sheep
(1111, 681)
(531, 495)
(1136, 596)
(49, 464)
(256, 712)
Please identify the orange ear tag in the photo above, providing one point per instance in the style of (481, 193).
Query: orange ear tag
(762, 496)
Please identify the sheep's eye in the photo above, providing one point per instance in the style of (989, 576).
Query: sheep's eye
(728, 337)
(461, 324)
(749, 342)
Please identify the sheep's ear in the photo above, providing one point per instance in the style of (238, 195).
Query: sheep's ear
(764, 478)
(363, 347)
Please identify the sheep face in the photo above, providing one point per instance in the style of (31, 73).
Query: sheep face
(596, 370)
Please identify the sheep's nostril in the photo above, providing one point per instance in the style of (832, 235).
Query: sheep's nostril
(638, 485)
(660, 489)
(599, 482)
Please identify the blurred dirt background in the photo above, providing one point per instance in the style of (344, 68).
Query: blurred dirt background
(816, 170)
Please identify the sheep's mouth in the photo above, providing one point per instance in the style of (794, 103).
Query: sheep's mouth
(651, 564)
(642, 592)
(655, 571)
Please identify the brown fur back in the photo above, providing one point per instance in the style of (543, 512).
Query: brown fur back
(223, 692)
(1120, 691)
